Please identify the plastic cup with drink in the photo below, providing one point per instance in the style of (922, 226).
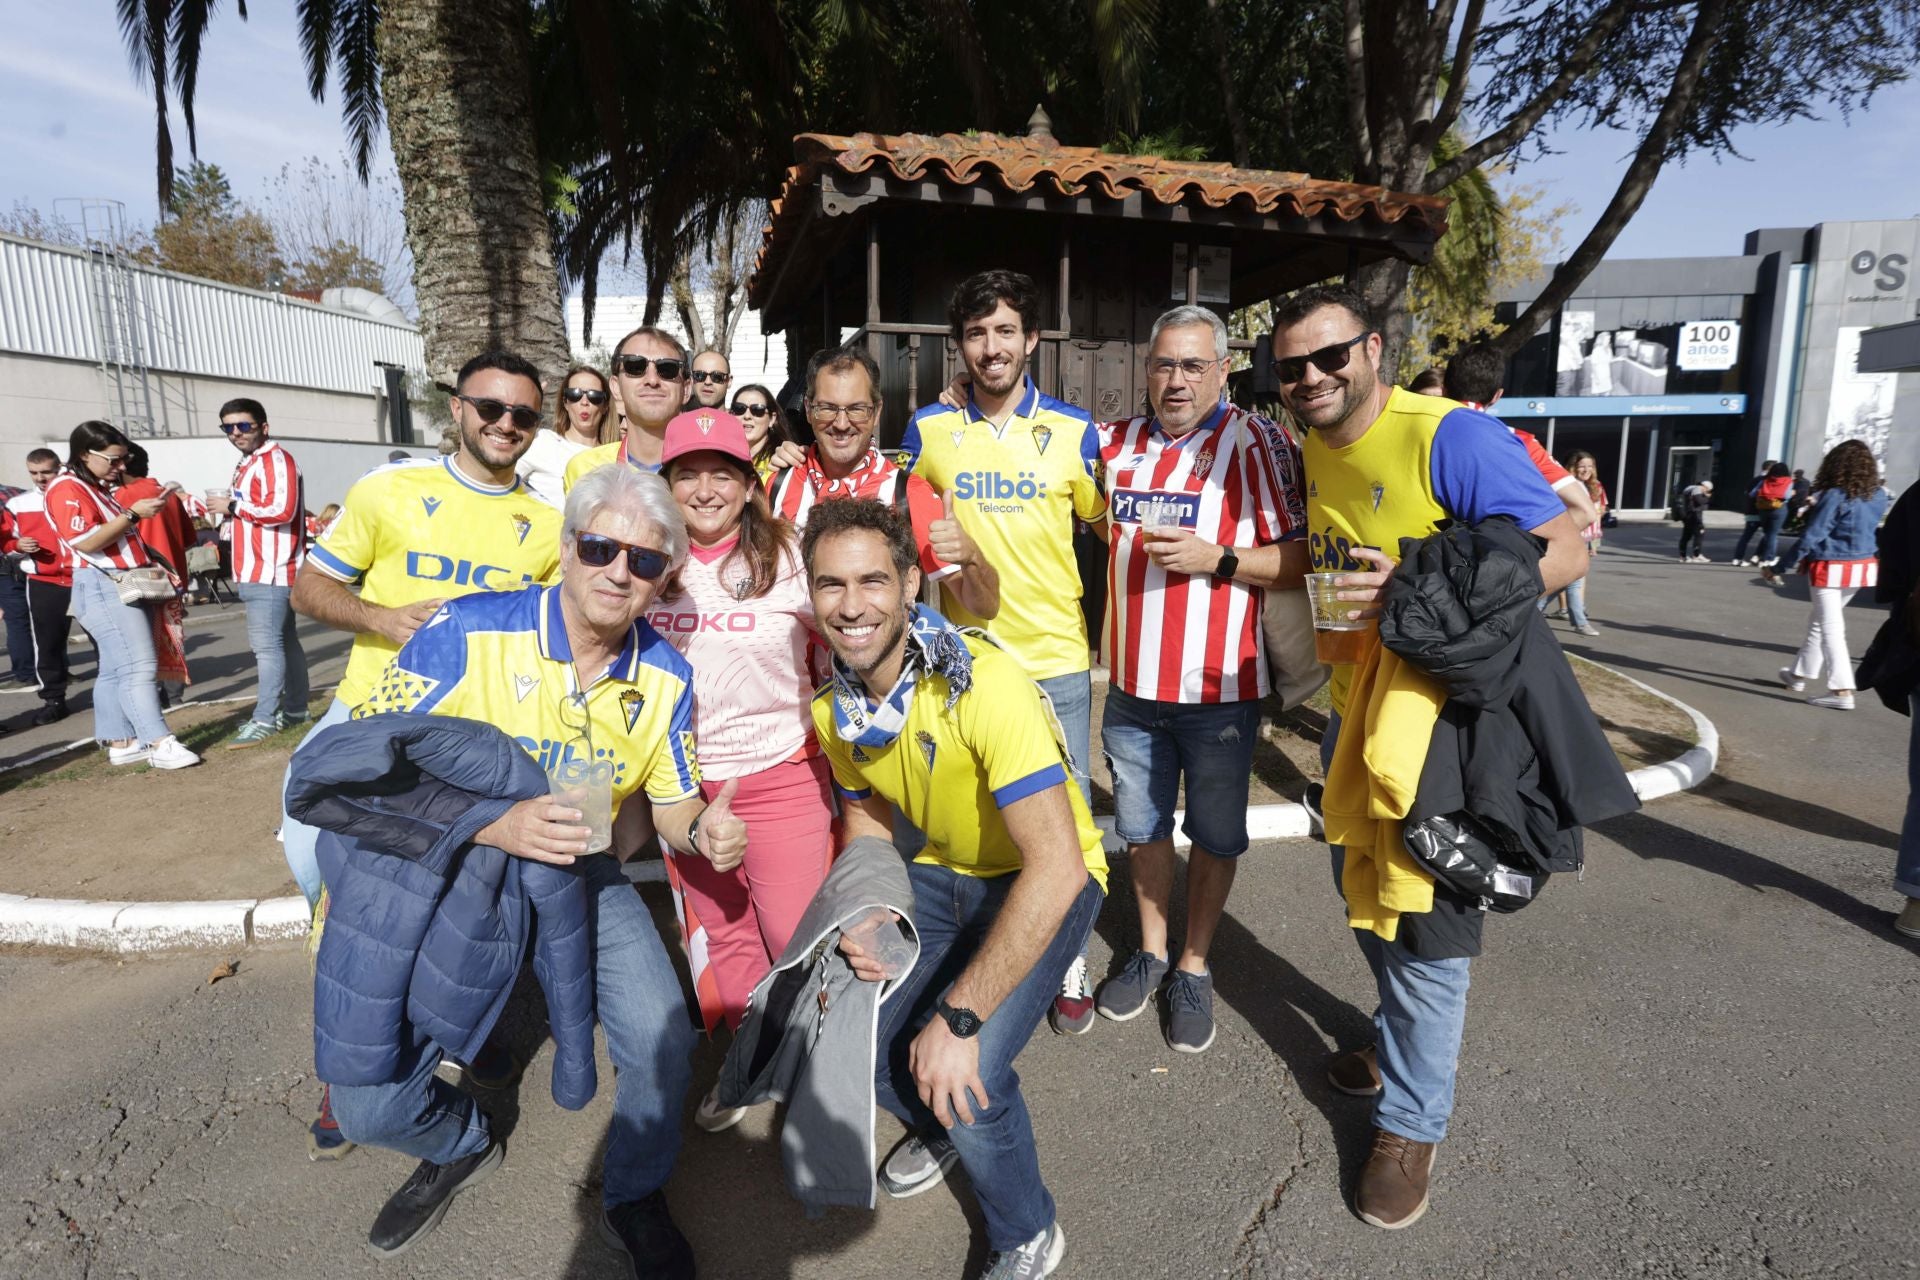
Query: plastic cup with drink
(1338, 637)
(879, 936)
(581, 782)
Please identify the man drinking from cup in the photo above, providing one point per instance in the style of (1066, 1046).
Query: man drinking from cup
(577, 677)
(1387, 464)
(1206, 515)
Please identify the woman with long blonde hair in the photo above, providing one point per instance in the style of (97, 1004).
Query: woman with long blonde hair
(579, 422)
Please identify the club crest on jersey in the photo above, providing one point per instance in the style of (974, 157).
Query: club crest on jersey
(1379, 491)
(521, 525)
(431, 504)
(1202, 463)
(927, 746)
(524, 685)
(1042, 437)
(705, 423)
(632, 703)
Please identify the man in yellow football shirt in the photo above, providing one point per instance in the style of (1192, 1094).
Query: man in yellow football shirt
(650, 380)
(571, 671)
(948, 727)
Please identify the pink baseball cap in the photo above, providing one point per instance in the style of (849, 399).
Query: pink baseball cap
(698, 430)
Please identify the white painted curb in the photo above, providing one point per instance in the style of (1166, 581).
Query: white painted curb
(132, 927)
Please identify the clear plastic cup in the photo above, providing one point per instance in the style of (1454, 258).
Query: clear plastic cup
(879, 935)
(586, 785)
(1338, 638)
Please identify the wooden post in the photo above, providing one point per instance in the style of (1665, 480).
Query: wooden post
(873, 269)
(1193, 273)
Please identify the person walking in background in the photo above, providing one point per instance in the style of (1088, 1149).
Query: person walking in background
(1572, 602)
(741, 614)
(579, 423)
(168, 533)
(1767, 499)
(766, 425)
(1694, 501)
(1839, 554)
(49, 585)
(101, 538)
(267, 510)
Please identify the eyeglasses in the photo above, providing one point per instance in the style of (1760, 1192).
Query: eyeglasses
(1192, 366)
(1327, 360)
(111, 459)
(491, 411)
(754, 410)
(636, 367)
(228, 428)
(599, 550)
(574, 395)
(713, 376)
(823, 414)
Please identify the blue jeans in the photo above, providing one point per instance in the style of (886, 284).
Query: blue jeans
(951, 914)
(126, 702)
(298, 840)
(1906, 870)
(1150, 744)
(1768, 525)
(649, 1038)
(1418, 1024)
(1575, 594)
(1072, 698)
(276, 651)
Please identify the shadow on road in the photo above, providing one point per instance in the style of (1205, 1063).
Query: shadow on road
(1683, 633)
(1798, 814)
(1649, 838)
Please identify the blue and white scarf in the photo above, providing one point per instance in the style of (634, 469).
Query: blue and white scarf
(934, 647)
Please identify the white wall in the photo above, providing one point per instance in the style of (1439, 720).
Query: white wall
(329, 467)
(755, 357)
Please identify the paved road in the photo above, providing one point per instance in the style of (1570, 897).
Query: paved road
(1691, 1063)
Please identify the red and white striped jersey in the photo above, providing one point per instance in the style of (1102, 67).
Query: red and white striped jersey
(75, 508)
(1232, 480)
(51, 563)
(1846, 575)
(793, 492)
(269, 517)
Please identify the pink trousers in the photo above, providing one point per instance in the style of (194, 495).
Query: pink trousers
(749, 913)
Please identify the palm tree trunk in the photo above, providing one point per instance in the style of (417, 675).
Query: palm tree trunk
(459, 113)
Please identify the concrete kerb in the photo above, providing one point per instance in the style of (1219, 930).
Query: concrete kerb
(157, 926)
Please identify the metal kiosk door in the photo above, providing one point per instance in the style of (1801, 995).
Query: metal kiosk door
(1687, 465)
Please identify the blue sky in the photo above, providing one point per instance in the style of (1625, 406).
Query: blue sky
(78, 125)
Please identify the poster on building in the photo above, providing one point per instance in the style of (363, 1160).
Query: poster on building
(1618, 362)
(1861, 405)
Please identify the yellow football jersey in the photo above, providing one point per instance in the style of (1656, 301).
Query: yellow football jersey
(413, 532)
(1017, 489)
(502, 657)
(951, 771)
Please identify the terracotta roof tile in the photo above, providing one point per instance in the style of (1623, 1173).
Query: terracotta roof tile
(1021, 164)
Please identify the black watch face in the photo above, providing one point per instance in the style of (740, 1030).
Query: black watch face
(965, 1022)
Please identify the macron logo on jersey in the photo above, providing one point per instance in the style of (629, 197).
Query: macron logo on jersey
(431, 504)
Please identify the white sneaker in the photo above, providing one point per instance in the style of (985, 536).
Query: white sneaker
(132, 753)
(1839, 700)
(169, 754)
(713, 1117)
(1792, 681)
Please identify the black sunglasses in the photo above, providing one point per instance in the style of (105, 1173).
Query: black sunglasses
(574, 395)
(599, 550)
(490, 411)
(636, 367)
(712, 375)
(1327, 360)
(228, 428)
(754, 410)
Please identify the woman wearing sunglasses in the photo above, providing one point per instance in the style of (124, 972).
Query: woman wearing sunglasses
(741, 614)
(766, 426)
(585, 410)
(100, 535)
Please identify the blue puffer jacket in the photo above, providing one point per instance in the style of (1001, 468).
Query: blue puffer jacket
(425, 930)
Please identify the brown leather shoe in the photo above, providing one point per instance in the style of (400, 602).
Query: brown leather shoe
(1392, 1190)
(1356, 1073)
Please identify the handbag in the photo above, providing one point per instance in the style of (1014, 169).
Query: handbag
(138, 586)
(1286, 629)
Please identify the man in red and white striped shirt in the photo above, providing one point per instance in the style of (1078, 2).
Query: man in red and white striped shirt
(269, 540)
(1206, 512)
(49, 573)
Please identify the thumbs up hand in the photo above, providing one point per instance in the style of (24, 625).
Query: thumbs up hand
(723, 837)
(948, 538)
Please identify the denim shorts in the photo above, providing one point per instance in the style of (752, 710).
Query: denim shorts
(1150, 746)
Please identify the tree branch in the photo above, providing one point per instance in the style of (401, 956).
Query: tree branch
(1457, 76)
(1522, 122)
(1638, 180)
(1223, 69)
(1356, 53)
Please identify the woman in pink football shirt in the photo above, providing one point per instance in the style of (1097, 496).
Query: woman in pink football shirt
(742, 615)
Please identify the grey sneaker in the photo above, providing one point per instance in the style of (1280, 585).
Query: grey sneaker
(1587, 629)
(1037, 1257)
(1127, 992)
(251, 734)
(917, 1164)
(1189, 1001)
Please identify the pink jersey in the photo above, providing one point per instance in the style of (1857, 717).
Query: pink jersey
(269, 517)
(1232, 480)
(752, 696)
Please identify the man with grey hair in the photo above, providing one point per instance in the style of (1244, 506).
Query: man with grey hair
(1207, 515)
(573, 673)
(650, 381)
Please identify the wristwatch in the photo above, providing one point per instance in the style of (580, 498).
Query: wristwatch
(693, 833)
(1228, 566)
(964, 1023)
